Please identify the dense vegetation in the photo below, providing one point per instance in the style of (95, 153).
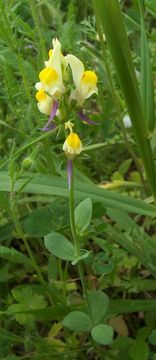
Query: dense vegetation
(78, 265)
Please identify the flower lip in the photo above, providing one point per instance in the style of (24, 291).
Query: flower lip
(89, 77)
(73, 141)
(48, 76)
(41, 95)
(44, 102)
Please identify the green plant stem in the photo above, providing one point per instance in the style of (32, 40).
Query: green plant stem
(77, 245)
(34, 11)
(34, 263)
(48, 153)
(36, 267)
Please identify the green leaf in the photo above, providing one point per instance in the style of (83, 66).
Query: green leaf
(42, 220)
(6, 231)
(152, 5)
(59, 246)
(27, 300)
(152, 337)
(146, 82)
(122, 342)
(110, 19)
(83, 215)
(139, 350)
(143, 333)
(101, 263)
(77, 321)
(129, 306)
(13, 255)
(41, 314)
(85, 254)
(99, 303)
(102, 334)
(55, 185)
(137, 243)
(5, 276)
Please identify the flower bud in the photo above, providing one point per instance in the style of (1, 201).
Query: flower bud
(72, 145)
(27, 163)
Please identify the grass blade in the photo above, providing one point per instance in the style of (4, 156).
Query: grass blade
(129, 306)
(110, 18)
(55, 185)
(146, 83)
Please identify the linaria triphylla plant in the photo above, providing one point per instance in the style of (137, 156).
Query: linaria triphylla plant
(64, 86)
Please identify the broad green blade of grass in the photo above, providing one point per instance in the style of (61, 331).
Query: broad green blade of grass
(146, 83)
(128, 306)
(115, 307)
(109, 16)
(55, 312)
(54, 185)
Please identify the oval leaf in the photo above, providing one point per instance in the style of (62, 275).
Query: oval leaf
(83, 215)
(77, 321)
(102, 334)
(139, 350)
(99, 303)
(59, 246)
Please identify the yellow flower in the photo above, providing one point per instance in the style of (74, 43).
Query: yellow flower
(51, 54)
(72, 145)
(51, 77)
(85, 81)
(45, 102)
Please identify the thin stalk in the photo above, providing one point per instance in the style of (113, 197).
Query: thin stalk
(34, 10)
(26, 84)
(77, 245)
(12, 42)
(36, 267)
(50, 160)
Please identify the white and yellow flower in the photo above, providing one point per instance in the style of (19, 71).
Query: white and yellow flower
(85, 81)
(72, 145)
(51, 77)
(51, 53)
(45, 102)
